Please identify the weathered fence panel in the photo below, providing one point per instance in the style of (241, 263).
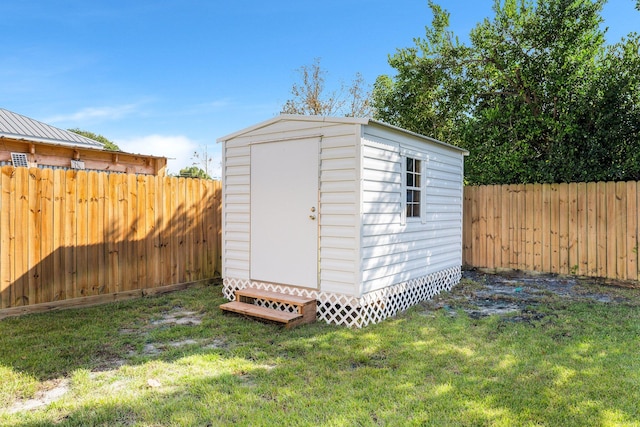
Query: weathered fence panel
(588, 229)
(66, 235)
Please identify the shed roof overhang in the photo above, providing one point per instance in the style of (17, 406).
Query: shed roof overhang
(348, 120)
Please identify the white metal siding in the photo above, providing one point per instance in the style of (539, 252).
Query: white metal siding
(394, 251)
(236, 210)
(365, 243)
(338, 209)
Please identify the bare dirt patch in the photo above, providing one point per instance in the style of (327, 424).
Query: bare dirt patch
(179, 317)
(51, 391)
(517, 294)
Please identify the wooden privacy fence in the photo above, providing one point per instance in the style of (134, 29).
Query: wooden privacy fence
(68, 234)
(588, 229)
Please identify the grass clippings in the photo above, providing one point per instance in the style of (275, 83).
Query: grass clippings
(177, 360)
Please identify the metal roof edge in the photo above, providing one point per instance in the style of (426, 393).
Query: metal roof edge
(328, 119)
(16, 120)
(427, 138)
(294, 117)
(55, 142)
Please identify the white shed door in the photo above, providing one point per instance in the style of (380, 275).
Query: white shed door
(284, 212)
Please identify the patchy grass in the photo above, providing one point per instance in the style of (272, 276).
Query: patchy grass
(177, 360)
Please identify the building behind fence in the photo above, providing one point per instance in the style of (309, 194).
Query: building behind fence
(69, 235)
(588, 229)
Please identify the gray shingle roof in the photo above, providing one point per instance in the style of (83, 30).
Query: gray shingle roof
(17, 126)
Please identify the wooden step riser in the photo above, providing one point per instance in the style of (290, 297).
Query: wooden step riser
(260, 312)
(246, 299)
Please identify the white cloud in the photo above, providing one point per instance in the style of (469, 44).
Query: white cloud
(88, 114)
(178, 149)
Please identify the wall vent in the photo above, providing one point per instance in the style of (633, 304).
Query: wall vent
(19, 160)
(77, 164)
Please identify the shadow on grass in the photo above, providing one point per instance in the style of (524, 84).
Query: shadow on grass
(579, 367)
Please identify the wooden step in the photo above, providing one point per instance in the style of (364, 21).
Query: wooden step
(274, 296)
(261, 312)
(305, 308)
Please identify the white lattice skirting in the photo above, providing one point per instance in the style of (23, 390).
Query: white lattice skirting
(371, 308)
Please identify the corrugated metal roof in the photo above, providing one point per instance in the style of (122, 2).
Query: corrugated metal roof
(17, 126)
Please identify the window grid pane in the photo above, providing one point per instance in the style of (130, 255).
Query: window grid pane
(413, 180)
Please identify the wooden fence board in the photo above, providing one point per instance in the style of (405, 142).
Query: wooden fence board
(610, 226)
(497, 225)
(141, 229)
(47, 247)
(58, 279)
(537, 228)
(582, 230)
(514, 215)
(563, 228)
(554, 225)
(33, 232)
(632, 227)
(114, 219)
(132, 226)
(466, 225)
(577, 228)
(6, 243)
(592, 220)
(189, 232)
(93, 239)
(82, 242)
(78, 234)
(160, 236)
(545, 227)
(482, 223)
(158, 246)
(621, 230)
(197, 232)
(528, 214)
(489, 224)
(171, 191)
(572, 234)
(475, 237)
(521, 260)
(21, 227)
(125, 232)
(165, 220)
(70, 235)
(504, 227)
(101, 225)
(601, 229)
(181, 227)
(208, 218)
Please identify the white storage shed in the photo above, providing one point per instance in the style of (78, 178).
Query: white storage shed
(362, 216)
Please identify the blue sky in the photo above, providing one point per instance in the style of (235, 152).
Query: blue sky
(169, 77)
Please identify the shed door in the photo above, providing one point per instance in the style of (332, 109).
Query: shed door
(284, 212)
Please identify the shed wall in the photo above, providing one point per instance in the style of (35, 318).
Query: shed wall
(395, 250)
(338, 200)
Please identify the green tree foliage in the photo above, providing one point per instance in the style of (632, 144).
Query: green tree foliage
(108, 145)
(311, 97)
(537, 96)
(203, 161)
(194, 172)
(425, 95)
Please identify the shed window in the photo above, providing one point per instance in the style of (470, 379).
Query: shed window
(414, 182)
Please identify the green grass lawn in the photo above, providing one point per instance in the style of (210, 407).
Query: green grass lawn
(132, 364)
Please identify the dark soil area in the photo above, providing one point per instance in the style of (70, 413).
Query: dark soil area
(516, 295)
